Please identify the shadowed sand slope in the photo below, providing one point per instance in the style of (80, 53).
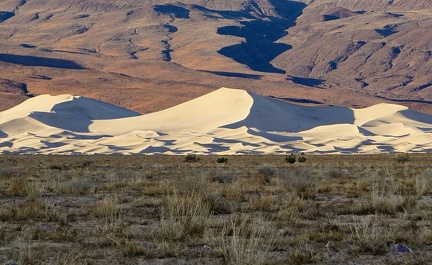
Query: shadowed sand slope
(225, 121)
(152, 55)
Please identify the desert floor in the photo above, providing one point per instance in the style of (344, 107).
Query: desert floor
(329, 209)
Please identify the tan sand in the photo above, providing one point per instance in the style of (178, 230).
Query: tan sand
(225, 121)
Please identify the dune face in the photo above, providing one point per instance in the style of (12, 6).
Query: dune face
(151, 55)
(226, 121)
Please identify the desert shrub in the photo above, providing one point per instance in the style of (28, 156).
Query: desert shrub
(191, 158)
(38, 210)
(402, 158)
(248, 240)
(85, 164)
(8, 172)
(265, 203)
(221, 160)
(265, 172)
(183, 217)
(303, 253)
(290, 159)
(302, 182)
(335, 173)
(302, 159)
(81, 186)
(425, 236)
(383, 198)
(59, 167)
(194, 183)
(227, 198)
(22, 187)
(19, 187)
(223, 177)
(422, 183)
(106, 208)
(369, 234)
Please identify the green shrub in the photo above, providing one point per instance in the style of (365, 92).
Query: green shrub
(402, 158)
(191, 158)
(302, 159)
(290, 159)
(221, 160)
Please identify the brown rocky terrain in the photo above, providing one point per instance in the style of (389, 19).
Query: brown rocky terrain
(150, 55)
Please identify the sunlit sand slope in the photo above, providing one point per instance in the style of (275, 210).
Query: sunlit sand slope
(226, 121)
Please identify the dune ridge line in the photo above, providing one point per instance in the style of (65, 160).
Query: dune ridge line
(224, 121)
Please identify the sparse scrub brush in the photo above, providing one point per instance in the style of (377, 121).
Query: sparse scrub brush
(19, 187)
(183, 217)
(291, 159)
(302, 182)
(246, 240)
(302, 159)
(422, 183)
(223, 177)
(221, 160)
(370, 234)
(191, 158)
(402, 158)
(267, 170)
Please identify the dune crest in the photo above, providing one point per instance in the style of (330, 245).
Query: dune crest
(225, 121)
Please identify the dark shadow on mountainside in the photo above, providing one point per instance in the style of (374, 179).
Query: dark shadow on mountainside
(39, 61)
(259, 47)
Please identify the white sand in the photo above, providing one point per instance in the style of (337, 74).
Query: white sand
(226, 121)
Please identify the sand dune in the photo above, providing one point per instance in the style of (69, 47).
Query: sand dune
(225, 121)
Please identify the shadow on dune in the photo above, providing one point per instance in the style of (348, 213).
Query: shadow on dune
(155, 150)
(39, 61)
(64, 122)
(275, 137)
(418, 116)
(3, 135)
(91, 109)
(214, 148)
(259, 47)
(6, 144)
(268, 114)
(72, 135)
(52, 144)
(76, 115)
(386, 148)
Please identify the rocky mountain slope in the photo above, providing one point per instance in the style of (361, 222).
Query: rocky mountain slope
(150, 55)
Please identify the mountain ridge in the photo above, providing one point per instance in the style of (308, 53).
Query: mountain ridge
(152, 55)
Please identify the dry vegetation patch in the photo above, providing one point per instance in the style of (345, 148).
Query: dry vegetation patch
(251, 210)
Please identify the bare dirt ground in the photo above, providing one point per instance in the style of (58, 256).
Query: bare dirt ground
(148, 56)
(242, 210)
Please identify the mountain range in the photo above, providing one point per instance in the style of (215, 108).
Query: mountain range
(148, 56)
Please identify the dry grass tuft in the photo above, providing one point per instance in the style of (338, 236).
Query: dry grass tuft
(183, 217)
(247, 240)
